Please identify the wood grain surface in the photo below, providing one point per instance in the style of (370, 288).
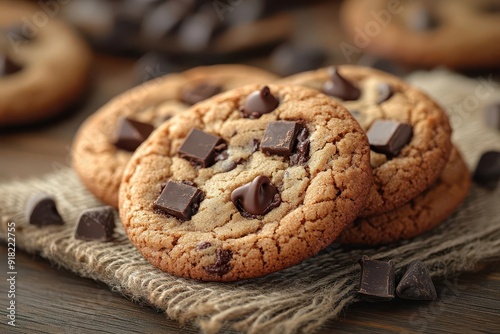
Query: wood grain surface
(53, 300)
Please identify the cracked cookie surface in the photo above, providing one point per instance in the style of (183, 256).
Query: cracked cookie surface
(420, 215)
(96, 159)
(317, 196)
(399, 178)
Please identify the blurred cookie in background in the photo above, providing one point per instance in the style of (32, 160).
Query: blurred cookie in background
(217, 29)
(44, 64)
(457, 34)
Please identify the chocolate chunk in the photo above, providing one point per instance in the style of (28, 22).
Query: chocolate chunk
(41, 211)
(200, 92)
(7, 66)
(179, 200)
(301, 153)
(416, 283)
(258, 103)
(377, 280)
(204, 245)
(288, 59)
(131, 133)
(487, 172)
(423, 20)
(221, 266)
(196, 31)
(96, 224)
(279, 138)
(164, 18)
(340, 87)
(201, 148)
(492, 115)
(256, 198)
(384, 92)
(255, 145)
(389, 137)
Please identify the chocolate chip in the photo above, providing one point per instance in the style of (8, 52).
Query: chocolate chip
(96, 224)
(256, 198)
(259, 102)
(487, 172)
(389, 137)
(279, 138)
(200, 92)
(422, 20)
(41, 211)
(340, 87)
(221, 266)
(416, 283)
(204, 245)
(492, 115)
(377, 280)
(301, 153)
(385, 92)
(7, 66)
(179, 200)
(201, 148)
(131, 133)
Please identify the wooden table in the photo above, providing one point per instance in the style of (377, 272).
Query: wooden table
(53, 300)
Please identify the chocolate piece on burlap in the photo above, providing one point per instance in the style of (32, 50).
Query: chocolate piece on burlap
(309, 293)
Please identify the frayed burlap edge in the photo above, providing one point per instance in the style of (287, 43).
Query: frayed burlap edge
(299, 299)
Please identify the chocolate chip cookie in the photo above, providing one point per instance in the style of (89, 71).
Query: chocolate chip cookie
(43, 64)
(409, 133)
(246, 183)
(421, 214)
(454, 33)
(106, 140)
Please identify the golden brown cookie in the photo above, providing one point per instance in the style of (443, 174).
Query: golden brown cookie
(454, 33)
(44, 64)
(409, 133)
(420, 215)
(96, 157)
(246, 183)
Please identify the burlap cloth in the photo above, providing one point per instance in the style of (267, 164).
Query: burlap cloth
(299, 299)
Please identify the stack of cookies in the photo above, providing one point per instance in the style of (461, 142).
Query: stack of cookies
(219, 182)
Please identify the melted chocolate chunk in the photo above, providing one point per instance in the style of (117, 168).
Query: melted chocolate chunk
(179, 199)
(131, 134)
(259, 103)
(96, 224)
(222, 263)
(279, 138)
(385, 92)
(487, 172)
(389, 137)
(200, 92)
(301, 154)
(41, 211)
(377, 280)
(340, 87)
(492, 115)
(7, 66)
(256, 198)
(204, 245)
(201, 148)
(416, 283)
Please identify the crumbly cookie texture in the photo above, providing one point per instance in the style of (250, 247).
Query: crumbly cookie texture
(317, 197)
(399, 178)
(426, 33)
(420, 215)
(52, 65)
(96, 159)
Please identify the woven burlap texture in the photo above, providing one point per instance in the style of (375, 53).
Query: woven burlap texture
(301, 298)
